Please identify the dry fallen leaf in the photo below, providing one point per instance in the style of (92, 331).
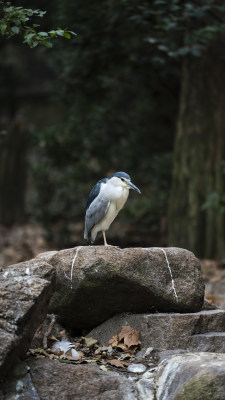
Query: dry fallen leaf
(52, 337)
(126, 356)
(118, 363)
(211, 299)
(114, 341)
(72, 355)
(68, 357)
(57, 352)
(122, 346)
(127, 340)
(103, 368)
(130, 336)
(89, 342)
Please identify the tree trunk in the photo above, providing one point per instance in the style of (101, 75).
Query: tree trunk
(199, 151)
(13, 151)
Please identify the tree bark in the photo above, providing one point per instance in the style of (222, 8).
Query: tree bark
(198, 155)
(13, 151)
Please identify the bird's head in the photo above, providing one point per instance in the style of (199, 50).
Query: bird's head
(123, 180)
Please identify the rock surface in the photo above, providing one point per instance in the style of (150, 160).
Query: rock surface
(195, 376)
(25, 291)
(212, 341)
(169, 331)
(51, 380)
(186, 376)
(95, 283)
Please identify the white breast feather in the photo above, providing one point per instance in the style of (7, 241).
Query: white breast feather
(117, 197)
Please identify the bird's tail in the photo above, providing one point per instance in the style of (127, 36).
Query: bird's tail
(86, 233)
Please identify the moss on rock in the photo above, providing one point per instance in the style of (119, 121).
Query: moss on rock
(203, 387)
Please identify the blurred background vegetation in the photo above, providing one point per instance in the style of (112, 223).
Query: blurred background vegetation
(141, 89)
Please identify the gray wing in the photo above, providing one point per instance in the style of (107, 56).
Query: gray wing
(95, 213)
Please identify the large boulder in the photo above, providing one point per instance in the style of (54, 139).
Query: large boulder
(96, 282)
(25, 291)
(196, 376)
(49, 380)
(201, 331)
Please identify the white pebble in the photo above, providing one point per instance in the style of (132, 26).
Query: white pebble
(137, 368)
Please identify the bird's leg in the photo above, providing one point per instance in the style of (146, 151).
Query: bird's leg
(106, 244)
(104, 237)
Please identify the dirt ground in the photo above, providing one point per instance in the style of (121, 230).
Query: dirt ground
(21, 243)
(214, 276)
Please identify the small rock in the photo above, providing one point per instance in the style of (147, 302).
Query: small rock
(132, 378)
(137, 368)
(149, 351)
(149, 374)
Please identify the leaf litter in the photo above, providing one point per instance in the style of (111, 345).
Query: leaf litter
(84, 350)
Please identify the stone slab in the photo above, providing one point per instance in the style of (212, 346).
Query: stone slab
(163, 330)
(212, 341)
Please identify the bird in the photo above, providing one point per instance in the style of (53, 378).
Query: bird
(104, 202)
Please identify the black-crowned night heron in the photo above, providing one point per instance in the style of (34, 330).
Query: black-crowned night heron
(104, 202)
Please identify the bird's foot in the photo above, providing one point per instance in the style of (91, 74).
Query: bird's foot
(111, 245)
(118, 248)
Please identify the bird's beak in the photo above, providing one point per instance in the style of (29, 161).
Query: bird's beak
(133, 186)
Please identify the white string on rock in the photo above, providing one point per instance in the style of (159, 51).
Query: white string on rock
(73, 262)
(171, 275)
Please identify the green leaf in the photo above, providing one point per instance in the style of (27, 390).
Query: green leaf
(33, 44)
(29, 36)
(15, 29)
(3, 28)
(60, 32)
(151, 40)
(183, 51)
(42, 34)
(196, 50)
(41, 13)
(163, 47)
(7, 9)
(67, 35)
(47, 44)
(14, 21)
(72, 33)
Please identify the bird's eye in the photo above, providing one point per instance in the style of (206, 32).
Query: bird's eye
(122, 179)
